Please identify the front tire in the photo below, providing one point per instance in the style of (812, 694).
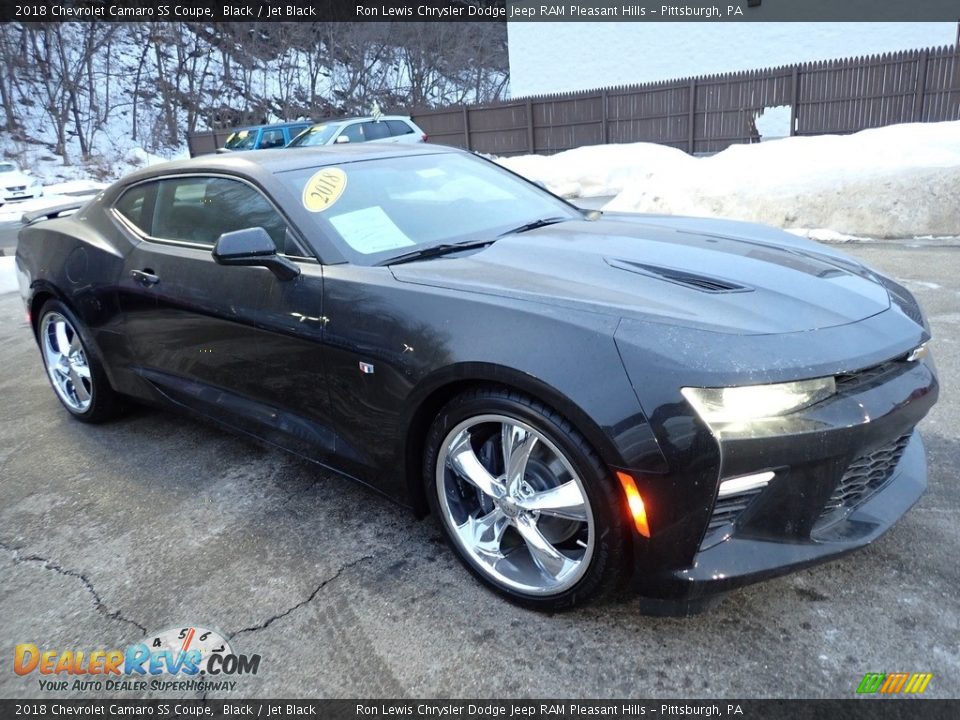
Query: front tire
(73, 367)
(523, 500)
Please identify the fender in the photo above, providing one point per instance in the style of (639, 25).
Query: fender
(439, 387)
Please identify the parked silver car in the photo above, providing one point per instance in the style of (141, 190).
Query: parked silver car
(385, 128)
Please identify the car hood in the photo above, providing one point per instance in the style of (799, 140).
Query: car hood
(717, 275)
(15, 178)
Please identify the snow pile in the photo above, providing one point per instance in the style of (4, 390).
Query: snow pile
(897, 181)
(598, 170)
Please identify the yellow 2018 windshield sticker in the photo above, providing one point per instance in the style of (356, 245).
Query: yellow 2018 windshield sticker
(324, 189)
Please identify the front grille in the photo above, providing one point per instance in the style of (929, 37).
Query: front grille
(850, 382)
(15, 188)
(728, 508)
(865, 476)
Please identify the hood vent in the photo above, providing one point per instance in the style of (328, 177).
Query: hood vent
(704, 283)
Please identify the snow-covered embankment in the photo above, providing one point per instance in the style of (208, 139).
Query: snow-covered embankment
(897, 181)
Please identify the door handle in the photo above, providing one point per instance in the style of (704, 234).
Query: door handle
(144, 277)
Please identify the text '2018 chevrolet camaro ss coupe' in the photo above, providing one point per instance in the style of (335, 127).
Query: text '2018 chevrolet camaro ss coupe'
(584, 401)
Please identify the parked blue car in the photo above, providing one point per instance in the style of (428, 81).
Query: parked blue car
(261, 137)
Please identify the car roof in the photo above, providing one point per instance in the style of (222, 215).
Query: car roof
(273, 125)
(360, 118)
(254, 162)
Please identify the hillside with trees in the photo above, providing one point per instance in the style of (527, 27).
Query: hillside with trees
(102, 95)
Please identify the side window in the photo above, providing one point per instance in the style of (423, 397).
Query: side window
(200, 209)
(295, 130)
(376, 130)
(272, 138)
(354, 132)
(399, 127)
(132, 203)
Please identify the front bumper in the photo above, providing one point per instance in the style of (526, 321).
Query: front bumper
(807, 514)
(743, 558)
(28, 193)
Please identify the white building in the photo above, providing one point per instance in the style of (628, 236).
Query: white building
(558, 57)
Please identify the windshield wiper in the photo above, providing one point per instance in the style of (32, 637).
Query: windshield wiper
(436, 251)
(542, 222)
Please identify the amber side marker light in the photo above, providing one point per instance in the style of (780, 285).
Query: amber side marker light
(637, 509)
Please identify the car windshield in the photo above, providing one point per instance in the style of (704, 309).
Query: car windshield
(7, 167)
(241, 140)
(316, 135)
(379, 209)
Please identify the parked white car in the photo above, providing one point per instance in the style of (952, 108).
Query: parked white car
(17, 184)
(383, 129)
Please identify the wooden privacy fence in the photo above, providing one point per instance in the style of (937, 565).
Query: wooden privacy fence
(707, 114)
(206, 141)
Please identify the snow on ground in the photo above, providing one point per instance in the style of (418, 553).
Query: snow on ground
(53, 195)
(8, 276)
(113, 151)
(85, 186)
(896, 181)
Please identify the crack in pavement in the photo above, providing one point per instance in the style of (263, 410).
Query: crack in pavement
(273, 618)
(316, 591)
(48, 564)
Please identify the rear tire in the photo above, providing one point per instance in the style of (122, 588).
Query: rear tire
(73, 367)
(537, 522)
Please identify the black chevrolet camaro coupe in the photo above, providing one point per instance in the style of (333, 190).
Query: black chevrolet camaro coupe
(584, 401)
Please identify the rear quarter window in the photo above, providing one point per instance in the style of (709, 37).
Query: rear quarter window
(131, 206)
(399, 127)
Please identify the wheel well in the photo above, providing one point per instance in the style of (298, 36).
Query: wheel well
(417, 435)
(36, 304)
(419, 427)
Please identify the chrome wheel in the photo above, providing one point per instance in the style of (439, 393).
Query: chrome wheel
(66, 362)
(514, 505)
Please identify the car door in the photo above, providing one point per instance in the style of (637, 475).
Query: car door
(199, 332)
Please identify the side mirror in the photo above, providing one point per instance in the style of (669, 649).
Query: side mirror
(342, 139)
(253, 246)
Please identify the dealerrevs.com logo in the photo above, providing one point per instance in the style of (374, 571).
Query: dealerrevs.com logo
(178, 659)
(894, 683)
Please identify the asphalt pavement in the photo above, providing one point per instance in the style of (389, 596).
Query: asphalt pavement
(156, 521)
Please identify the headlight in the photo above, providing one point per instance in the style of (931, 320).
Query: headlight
(717, 406)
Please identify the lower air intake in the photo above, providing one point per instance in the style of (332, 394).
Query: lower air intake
(729, 508)
(865, 476)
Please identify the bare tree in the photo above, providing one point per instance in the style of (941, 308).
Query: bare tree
(173, 78)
